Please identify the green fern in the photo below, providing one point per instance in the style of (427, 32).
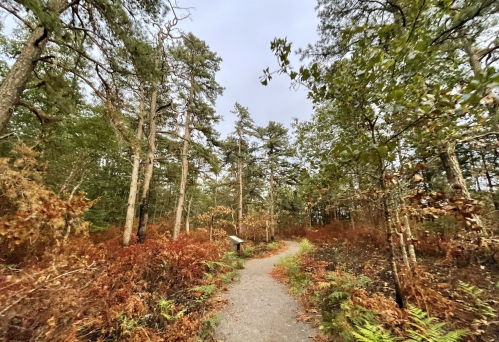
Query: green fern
(168, 310)
(428, 329)
(374, 333)
(208, 326)
(475, 303)
(206, 289)
(229, 277)
(306, 247)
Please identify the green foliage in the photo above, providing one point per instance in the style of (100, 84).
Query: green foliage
(229, 277)
(233, 261)
(248, 252)
(475, 302)
(169, 310)
(428, 329)
(424, 329)
(306, 247)
(373, 333)
(208, 326)
(205, 289)
(125, 326)
(272, 245)
(338, 316)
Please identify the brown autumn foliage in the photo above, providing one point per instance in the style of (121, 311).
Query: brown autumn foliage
(66, 287)
(106, 292)
(434, 285)
(32, 217)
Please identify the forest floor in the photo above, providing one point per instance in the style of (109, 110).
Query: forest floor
(260, 308)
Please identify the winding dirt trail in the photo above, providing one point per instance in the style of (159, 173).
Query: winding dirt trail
(260, 309)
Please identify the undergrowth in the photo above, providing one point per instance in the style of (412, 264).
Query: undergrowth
(156, 291)
(349, 312)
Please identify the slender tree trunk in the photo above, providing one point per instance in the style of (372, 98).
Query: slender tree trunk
(151, 152)
(267, 230)
(14, 84)
(456, 179)
(130, 214)
(400, 233)
(351, 218)
(272, 229)
(393, 259)
(489, 179)
(185, 167)
(187, 223)
(240, 173)
(211, 227)
(410, 241)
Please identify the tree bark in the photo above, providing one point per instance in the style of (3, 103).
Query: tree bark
(456, 179)
(211, 227)
(185, 167)
(267, 230)
(130, 214)
(151, 151)
(393, 259)
(14, 84)
(400, 233)
(187, 223)
(410, 241)
(489, 180)
(272, 229)
(240, 173)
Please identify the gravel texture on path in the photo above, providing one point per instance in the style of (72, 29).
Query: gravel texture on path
(260, 309)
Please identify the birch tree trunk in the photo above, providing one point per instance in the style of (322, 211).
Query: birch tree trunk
(456, 179)
(185, 167)
(18, 76)
(151, 151)
(240, 172)
(400, 233)
(130, 214)
(410, 241)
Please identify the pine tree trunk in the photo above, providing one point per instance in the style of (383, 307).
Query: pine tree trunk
(240, 172)
(267, 230)
(211, 227)
(272, 229)
(14, 84)
(185, 167)
(456, 179)
(187, 222)
(151, 151)
(130, 214)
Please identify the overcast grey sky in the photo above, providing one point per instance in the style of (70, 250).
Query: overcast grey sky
(241, 32)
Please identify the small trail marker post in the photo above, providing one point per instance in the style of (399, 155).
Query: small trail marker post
(235, 243)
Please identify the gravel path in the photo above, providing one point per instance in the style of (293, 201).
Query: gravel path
(260, 310)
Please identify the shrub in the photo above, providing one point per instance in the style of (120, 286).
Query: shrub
(108, 292)
(306, 247)
(248, 252)
(33, 218)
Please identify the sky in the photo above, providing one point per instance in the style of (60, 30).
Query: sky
(241, 32)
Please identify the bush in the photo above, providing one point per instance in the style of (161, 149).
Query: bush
(106, 292)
